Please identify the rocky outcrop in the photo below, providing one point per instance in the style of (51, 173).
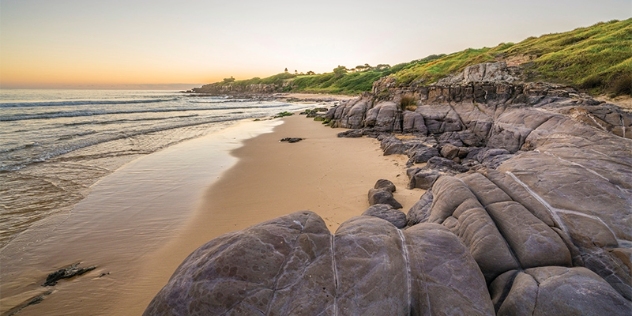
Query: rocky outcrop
(485, 72)
(293, 265)
(473, 104)
(504, 152)
(527, 211)
(232, 88)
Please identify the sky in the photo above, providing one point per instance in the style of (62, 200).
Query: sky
(97, 43)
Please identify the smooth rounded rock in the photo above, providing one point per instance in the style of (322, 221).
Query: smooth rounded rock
(387, 213)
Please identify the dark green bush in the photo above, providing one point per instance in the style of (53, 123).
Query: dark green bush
(622, 85)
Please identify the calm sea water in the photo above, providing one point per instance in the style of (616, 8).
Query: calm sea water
(54, 144)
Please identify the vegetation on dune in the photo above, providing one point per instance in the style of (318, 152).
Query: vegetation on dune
(343, 80)
(340, 81)
(597, 59)
(276, 79)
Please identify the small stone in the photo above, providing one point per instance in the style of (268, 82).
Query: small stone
(385, 185)
(292, 139)
(66, 273)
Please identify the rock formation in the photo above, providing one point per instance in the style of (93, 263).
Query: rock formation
(528, 211)
(382, 193)
(293, 265)
(221, 88)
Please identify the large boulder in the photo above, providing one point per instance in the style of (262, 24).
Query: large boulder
(366, 249)
(292, 265)
(282, 266)
(457, 288)
(414, 123)
(421, 178)
(384, 117)
(557, 291)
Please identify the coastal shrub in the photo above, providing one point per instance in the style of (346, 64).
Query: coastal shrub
(622, 85)
(408, 102)
(592, 82)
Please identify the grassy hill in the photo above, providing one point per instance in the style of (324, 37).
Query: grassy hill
(597, 59)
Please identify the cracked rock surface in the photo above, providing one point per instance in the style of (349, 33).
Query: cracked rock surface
(293, 265)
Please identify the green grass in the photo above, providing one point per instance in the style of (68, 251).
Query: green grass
(348, 83)
(597, 59)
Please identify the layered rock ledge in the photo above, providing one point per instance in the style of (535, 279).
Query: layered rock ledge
(528, 211)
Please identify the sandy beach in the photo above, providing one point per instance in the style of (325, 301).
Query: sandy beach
(322, 173)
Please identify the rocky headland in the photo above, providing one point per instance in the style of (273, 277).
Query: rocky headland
(527, 211)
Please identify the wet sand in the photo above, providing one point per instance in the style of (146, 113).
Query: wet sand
(322, 173)
(125, 217)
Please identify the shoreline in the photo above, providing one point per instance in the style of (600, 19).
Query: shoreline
(141, 206)
(267, 173)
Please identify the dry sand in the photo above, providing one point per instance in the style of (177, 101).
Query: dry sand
(322, 173)
(624, 102)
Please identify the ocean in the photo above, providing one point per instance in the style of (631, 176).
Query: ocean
(55, 144)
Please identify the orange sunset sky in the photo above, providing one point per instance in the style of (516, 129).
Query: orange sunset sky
(65, 44)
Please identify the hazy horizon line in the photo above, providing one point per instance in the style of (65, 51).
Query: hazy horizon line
(123, 86)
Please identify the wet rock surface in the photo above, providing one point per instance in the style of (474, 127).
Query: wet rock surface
(527, 211)
(66, 273)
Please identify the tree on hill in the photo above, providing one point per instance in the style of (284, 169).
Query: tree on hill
(340, 71)
(310, 73)
(229, 80)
